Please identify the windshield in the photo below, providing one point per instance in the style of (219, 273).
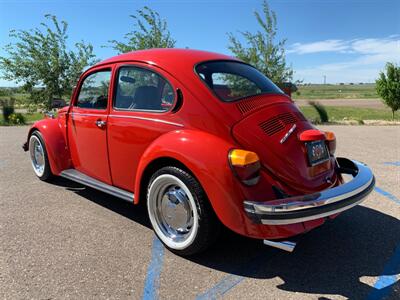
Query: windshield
(232, 81)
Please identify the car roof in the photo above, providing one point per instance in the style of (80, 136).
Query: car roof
(167, 57)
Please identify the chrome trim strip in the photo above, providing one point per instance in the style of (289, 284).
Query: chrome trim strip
(147, 119)
(287, 135)
(79, 177)
(285, 245)
(88, 114)
(309, 218)
(363, 181)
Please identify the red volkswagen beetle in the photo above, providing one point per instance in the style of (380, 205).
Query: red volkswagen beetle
(204, 139)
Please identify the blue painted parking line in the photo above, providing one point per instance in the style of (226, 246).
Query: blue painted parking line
(223, 286)
(152, 282)
(230, 281)
(392, 163)
(387, 195)
(382, 287)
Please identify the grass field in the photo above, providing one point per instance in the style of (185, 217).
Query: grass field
(330, 91)
(29, 118)
(340, 113)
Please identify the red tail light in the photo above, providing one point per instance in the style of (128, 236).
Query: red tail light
(246, 166)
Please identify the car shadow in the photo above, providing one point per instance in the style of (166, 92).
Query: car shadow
(334, 259)
(136, 213)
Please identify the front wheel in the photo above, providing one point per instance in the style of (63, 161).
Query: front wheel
(39, 158)
(180, 212)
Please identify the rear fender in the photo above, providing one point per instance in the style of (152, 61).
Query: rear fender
(56, 145)
(206, 157)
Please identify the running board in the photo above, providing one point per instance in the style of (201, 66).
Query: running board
(79, 177)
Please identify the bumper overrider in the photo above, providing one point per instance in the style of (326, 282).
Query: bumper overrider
(322, 204)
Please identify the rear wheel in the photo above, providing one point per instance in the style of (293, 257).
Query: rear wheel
(180, 212)
(39, 158)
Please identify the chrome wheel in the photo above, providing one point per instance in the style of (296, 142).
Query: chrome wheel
(172, 211)
(37, 155)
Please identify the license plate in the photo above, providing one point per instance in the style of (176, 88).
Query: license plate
(317, 152)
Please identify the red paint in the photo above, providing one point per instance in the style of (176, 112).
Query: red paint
(199, 134)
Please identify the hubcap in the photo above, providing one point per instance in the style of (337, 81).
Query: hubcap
(171, 211)
(175, 211)
(37, 155)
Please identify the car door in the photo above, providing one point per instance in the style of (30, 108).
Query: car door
(87, 125)
(140, 113)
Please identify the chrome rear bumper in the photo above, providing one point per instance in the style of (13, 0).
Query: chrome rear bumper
(322, 204)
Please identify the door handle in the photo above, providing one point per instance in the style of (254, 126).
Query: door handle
(101, 124)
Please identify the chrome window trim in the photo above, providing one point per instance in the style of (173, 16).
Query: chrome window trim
(134, 66)
(147, 119)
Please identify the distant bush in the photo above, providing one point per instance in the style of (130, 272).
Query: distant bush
(32, 108)
(8, 108)
(3, 93)
(16, 119)
(323, 114)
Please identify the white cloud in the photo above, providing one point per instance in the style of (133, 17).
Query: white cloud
(368, 57)
(386, 45)
(321, 46)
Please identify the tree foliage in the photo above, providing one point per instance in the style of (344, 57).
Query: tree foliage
(261, 48)
(39, 58)
(150, 31)
(388, 87)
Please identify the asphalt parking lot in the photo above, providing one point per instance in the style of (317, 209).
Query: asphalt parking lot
(63, 240)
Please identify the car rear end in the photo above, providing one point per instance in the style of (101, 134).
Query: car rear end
(287, 168)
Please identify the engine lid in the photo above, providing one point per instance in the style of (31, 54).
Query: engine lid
(274, 132)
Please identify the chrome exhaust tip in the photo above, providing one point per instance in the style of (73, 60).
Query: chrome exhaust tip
(284, 245)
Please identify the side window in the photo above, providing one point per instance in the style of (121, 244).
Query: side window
(94, 90)
(142, 89)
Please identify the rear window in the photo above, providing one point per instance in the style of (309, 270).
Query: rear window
(232, 81)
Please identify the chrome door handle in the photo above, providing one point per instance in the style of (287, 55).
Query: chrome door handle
(101, 123)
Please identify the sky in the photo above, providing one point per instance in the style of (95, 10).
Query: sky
(344, 40)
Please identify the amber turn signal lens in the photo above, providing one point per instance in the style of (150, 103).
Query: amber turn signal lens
(330, 136)
(246, 166)
(241, 158)
(330, 139)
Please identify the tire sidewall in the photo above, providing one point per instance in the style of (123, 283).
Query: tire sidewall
(47, 171)
(190, 190)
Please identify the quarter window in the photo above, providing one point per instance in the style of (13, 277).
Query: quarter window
(94, 90)
(142, 89)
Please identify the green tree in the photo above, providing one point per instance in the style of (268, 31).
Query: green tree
(388, 87)
(150, 32)
(39, 59)
(261, 48)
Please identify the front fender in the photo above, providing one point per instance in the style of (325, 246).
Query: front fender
(206, 156)
(53, 134)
